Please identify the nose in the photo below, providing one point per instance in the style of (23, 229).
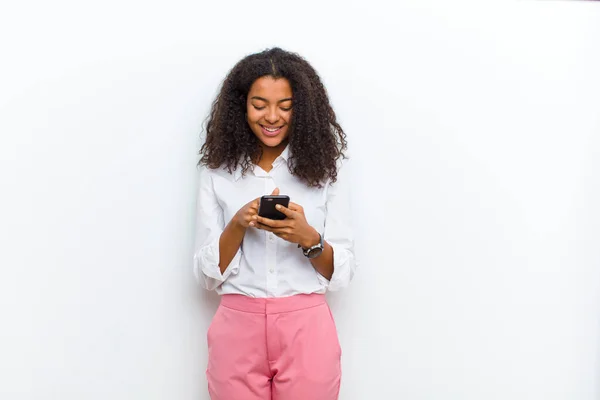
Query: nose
(271, 117)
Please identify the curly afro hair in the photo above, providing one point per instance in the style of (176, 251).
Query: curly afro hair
(316, 139)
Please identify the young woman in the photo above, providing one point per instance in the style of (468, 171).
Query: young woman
(272, 130)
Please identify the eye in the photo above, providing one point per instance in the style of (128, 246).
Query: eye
(286, 108)
(258, 108)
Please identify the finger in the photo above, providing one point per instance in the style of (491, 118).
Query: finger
(251, 221)
(284, 236)
(261, 226)
(295, 207)
(276, 231)
(270, 222)
(264, 227)
(286, 211)
(275, 192)
(253, 205)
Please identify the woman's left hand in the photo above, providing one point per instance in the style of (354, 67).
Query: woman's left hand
(294, 228)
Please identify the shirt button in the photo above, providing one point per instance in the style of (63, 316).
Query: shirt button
(271, 270)
(271, 237)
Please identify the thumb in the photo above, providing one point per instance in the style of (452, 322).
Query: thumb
(275, 192)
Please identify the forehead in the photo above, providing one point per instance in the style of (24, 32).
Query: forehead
(271, 88)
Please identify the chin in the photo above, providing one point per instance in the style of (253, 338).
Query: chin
(272, 142)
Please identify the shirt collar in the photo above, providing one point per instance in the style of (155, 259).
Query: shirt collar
(284, 156)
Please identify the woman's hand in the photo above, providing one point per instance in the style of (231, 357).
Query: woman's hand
(245, 217)
(294, 228)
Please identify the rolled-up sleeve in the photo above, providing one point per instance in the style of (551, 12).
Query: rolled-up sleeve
(209, 226)
(339, 231)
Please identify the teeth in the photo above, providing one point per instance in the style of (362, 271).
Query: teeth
(271, 129)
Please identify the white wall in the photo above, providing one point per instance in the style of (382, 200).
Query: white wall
(474, 130)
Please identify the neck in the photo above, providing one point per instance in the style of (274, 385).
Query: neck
(269, 154)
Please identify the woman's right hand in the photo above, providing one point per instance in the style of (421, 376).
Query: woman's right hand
(244, 216)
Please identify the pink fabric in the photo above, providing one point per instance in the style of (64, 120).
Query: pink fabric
(273, 349)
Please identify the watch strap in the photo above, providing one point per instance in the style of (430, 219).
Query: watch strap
(319, 245)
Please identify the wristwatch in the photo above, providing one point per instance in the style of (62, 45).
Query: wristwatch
(314, 251)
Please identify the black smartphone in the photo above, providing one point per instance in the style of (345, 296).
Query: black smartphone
(266, 208)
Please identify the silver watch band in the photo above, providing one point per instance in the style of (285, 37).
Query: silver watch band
(314, 251)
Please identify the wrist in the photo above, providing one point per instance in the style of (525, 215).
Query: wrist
(313, 239)
(236, 224)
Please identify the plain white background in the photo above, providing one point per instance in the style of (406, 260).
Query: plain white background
(475, 139)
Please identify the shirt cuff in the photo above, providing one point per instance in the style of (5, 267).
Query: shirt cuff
(206, 265)
(344, 265)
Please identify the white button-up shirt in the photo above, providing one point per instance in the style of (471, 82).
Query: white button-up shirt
(266, 265)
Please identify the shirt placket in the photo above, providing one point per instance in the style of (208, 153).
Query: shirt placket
(271, 245)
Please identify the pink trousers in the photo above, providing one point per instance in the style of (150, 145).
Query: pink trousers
(273, 349)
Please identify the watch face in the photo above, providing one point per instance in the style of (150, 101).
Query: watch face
(316, 252)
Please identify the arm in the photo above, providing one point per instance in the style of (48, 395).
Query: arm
(229, 243)
(232, 236)
(324, 263)
(336, 264)
(217, 250)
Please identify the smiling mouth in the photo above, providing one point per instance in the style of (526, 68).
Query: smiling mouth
(271, 131)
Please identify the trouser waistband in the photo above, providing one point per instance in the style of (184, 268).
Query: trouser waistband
(273, 305)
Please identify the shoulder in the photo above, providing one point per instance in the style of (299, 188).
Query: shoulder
(211, 174)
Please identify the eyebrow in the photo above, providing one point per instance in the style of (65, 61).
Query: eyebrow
(266, 101)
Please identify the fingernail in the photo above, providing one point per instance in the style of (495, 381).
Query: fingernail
(278, 206)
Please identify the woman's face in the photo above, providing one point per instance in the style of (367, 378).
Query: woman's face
(269, 110)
